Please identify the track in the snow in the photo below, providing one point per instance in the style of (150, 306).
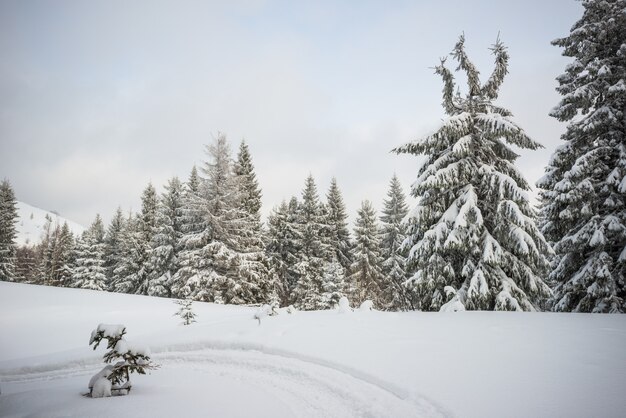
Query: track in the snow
(314, 388)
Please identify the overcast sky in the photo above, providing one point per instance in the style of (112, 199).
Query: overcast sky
(99, 98)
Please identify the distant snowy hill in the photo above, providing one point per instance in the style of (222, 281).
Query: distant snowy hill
(32, 220)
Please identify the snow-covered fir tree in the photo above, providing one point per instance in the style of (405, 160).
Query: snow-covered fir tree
(146, 226)
(392, 235)
(212, 256)
(336, 218)
(314, 250)
(366, 273)
(221, 215)
(185, 311)
(190, 280)
(45, 250)
(283, 248)
(584, 196)
(8, 219)
(113, 244)
(166, 239)
(124, 279)
(473, 242)
(334, 285)
(62, 257)
(255, 284)
(89, 271)
(131, 273)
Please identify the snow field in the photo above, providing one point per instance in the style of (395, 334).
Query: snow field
(355, 364)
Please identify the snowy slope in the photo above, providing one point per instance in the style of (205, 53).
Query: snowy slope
(310, 364)
(32, 220)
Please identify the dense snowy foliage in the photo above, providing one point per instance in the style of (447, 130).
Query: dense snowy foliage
(8, 219)
(366, 271)
(392, 235)
(584, 196)
(472, 239)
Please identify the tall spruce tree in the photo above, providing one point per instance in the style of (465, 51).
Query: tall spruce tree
(366, 271)
(336, 218)
(44, 251)
(62, 256)
(222, 218)
(89, 271)
(166, 239)
(392, 235)
(584, 197)
(124, 279)
(146, 228)
(255, 284)
(283, 248)
(8, 219)
(473, 242)
(113, 244)
(191, 279)
(314, 250)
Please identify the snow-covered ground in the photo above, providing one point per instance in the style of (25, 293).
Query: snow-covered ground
(309, 364)
(32, 220)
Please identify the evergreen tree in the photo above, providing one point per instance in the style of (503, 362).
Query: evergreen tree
(283, 248)
(146, 228)
(113, 245)
(584, 196)
(185, 312)
(62, 257)
(254, 282)
(8, 218)
(366, 272)
(313, 249)
(336, 217)
(165, 242)
(250, 193)
(189, 280)
(334, 285)
(26, 270)
(473, 236)
(88, 272)
(125, 278)
(392, 235)
(44, 252)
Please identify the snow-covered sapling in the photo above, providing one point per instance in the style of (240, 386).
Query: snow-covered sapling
(344, 305)
(186, 312)
(366, 306)
(128, 359)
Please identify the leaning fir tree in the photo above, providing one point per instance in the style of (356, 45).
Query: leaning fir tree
(584, 196)
(473, 243)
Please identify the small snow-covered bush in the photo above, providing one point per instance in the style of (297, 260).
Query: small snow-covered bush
(186, 312)
(265, 310)
(128, 359)
(366, 306)
(344, 305)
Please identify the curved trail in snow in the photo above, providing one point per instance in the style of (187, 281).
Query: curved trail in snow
(313, 387)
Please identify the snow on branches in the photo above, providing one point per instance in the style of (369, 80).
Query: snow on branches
(472, 241)
(114, 379)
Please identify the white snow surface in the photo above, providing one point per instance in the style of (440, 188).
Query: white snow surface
(32, 220)
(313, 364)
